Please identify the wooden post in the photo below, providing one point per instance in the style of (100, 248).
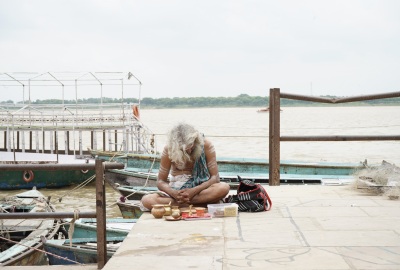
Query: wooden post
(274, 137)
(43, 141)
(5, 140)
(116, 140)
(56, 143)
(109, 140)
(30, 140)
(104, 140)
(22, 141)
(91, 139)
(126, 140)
(51, 142)
(37, 140)
(66, 140)
(101, 215)
(17, 140)
(8, 140)
(80, 142)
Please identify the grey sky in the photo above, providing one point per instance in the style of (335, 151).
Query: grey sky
(182, 48)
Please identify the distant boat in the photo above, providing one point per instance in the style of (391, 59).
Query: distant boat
(265, 110)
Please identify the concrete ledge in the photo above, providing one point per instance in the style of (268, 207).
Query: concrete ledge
(309, 227)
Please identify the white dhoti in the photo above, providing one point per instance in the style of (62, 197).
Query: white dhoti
(176, 182)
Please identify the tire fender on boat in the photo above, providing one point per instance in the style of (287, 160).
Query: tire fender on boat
(28, 176)
(84, 171)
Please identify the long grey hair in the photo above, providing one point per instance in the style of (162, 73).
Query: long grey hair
(181, 137)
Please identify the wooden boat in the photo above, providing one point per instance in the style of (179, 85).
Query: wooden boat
(35, 133)
(142, 169)
(81, 250)
(86, 227)
(135, 192)
(41, 178)
(21, 238)
(84, 239)
(265, 110)
(130, 209)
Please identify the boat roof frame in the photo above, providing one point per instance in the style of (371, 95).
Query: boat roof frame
(26, 80)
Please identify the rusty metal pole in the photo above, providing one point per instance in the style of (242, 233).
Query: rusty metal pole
(101, 215)
(274, 136)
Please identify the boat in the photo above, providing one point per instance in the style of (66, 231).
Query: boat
(10, 180)
(78, 250)
(21, 241)
(141, 171)
(135, 192)
(265, 110)
(129, 208)
(86, 227)
(82, 248)
(61, 132)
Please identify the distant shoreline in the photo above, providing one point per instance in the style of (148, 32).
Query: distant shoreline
(242, 100)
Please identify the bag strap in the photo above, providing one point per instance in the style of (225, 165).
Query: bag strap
(268, 199)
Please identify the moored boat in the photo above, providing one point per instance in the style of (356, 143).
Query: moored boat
(142, 170)
(42, 178)
(21, 242)
(130, 209)
(135, 192)
(79, 250)
(39, 132)
(86, 227)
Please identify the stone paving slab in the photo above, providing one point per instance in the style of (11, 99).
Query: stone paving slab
(309, 227)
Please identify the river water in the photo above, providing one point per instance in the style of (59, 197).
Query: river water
(243, 132)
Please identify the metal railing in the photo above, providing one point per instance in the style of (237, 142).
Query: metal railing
(100, 213)
(274, 127)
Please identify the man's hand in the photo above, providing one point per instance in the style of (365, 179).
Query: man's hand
(185, 196)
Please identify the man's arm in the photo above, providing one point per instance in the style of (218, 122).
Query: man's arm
(162, 178)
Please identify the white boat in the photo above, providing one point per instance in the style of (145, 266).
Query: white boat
(62, 132)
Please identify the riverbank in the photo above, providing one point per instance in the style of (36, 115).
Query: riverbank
(309, 227)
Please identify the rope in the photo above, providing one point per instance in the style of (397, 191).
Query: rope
(48, 253)
(111, 159)
(72, 226)
(145, 184)
(81, 185)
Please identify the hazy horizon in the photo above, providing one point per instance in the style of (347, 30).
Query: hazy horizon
(209, 48)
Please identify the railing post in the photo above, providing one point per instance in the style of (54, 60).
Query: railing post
(101, 215)
(274, 137)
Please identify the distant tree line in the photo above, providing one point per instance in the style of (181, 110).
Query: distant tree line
(242, 100)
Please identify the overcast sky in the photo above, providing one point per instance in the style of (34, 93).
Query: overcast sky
(183, 48)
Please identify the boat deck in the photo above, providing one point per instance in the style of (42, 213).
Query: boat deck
(309, 227)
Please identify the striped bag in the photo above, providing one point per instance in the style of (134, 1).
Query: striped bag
(251, 197)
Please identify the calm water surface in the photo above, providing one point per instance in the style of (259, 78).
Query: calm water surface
(243, 132)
